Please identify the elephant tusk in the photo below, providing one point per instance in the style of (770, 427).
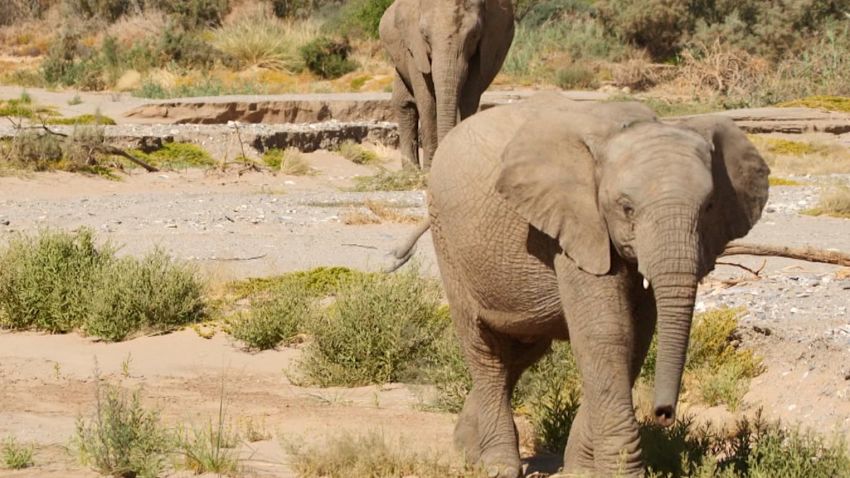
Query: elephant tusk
(645, 283)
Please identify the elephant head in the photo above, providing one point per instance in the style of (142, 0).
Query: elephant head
(610, 179)
(445, 42)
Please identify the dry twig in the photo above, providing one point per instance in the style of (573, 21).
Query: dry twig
(809, 254)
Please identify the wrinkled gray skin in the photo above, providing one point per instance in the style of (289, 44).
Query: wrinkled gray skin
(446, 53)
(547, 216)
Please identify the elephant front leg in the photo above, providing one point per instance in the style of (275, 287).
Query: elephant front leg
(602, 335)
(407, 116)
(426, 104)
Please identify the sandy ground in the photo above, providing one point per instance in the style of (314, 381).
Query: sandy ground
(257, 224)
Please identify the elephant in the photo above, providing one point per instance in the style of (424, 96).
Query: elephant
(592, 223)
(446, 53)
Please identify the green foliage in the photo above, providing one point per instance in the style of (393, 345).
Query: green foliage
(448, 372)
(319, 282)
(122, 437)
(46, 282)
(359, 17)
(550, 395)
(576, 77)
(664, 27)
(328, 58)
(777, 181)
(108, 10)
(378, 328)
(177, 155)
(207, 87)
(60, 282)
(152, 294)
(210, 449)
(194, 14)
(16, 456)
(276, 319)
(753, 449)
(385, 180)
(82, 120)
(357, 154)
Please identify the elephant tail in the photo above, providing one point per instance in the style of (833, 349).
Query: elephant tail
(403, 253)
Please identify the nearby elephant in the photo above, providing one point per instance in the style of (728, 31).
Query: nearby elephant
(582, 222)
(446, 53)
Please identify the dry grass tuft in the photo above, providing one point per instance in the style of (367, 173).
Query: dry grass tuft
(831, 103)
(378, 212)
(373, 455)
(777, 181)
(801, 158)
(720, 69)
(835, 203)
(265, 42)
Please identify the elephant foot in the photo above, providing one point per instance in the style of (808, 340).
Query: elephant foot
(501, 464)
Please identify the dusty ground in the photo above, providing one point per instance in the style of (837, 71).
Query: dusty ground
(257, 224)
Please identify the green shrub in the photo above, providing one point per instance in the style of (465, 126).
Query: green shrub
(185, 47)
(122, 437)
(177, 155)
(194, 14)
(34, 151)
(359, 17)
(377, 330)
(550, 395)
(82, 120)
(318, 283)
(108, 10)
(385, 180)
(46, 281)
(328, 58)
(60, 282)
(274, 320)
(16, 456)
(152, 294)
(210, 449)
(576, 76)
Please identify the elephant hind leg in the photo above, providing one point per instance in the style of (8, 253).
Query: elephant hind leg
(407, 116)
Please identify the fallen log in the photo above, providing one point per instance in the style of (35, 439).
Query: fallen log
(809, 254)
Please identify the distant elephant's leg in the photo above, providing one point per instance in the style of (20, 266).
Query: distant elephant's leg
(407, 116)
(599, 315)
(426, 104)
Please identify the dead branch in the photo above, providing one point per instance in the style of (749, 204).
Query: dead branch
(809, 254)
(107, 149)
(754, 272)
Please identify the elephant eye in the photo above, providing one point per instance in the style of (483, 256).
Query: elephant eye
(628, 210)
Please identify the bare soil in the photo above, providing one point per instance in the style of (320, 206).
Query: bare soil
(257, 224)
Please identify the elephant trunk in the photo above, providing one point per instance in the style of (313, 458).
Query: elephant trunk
(448, 83)
(672, 267)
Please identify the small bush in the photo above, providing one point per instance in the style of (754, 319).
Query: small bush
(16, 456)
(152, 294)
(328, 58)
(210, 449)
(177, 155)
(61, 282)
(576, 77)
(122, 437)
(835, 203)
(403, 180)
(265, 42)
(274, 320)
(46, 282)
(318, 283)
(194, 14)
(359, 18)
(108, 10)
(288, 161)
(378, 328)
(372, 455)
(448, 372)
(357, 154)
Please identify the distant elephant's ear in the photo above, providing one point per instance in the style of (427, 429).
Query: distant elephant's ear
(740, 178)
(548, 177)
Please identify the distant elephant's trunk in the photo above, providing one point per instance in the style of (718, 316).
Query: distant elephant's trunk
(448, 83)
(670, 259)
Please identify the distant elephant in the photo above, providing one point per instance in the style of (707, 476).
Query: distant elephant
(446, 53)
(582, 222)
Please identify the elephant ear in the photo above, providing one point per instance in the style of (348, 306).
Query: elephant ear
(548, 177)
(740, 178)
